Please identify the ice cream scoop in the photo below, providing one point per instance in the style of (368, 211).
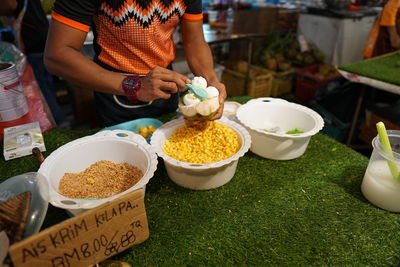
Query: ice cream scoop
(199, 82)
(199, 92)
(190, 99)
(212, 91)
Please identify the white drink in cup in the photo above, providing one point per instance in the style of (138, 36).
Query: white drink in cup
(379, 186)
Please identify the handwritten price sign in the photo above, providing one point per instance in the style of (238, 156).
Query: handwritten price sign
(88, 238)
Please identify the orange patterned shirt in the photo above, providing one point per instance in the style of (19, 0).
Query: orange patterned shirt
(389, 13)
(131, 36)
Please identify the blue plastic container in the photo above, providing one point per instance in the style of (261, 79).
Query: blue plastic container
(135, 124)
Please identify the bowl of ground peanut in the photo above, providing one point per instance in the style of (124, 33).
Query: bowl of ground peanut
(201, 155)
(96, 169)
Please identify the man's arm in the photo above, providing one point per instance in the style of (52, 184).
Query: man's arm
(63, 58)
(200, 59)
(7, 7)
(394, 37)
(388, 20)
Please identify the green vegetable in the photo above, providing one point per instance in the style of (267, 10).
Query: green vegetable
(294, 131)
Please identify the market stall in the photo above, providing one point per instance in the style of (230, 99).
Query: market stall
(340, 33)
(304, 211)
(379, 72)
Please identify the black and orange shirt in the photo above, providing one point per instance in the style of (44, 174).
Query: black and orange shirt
(131, 36)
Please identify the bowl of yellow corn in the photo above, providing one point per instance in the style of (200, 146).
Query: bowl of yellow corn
(201, 155)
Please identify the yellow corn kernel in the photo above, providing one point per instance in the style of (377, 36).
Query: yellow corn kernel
(143, 131)
(202, 143)
(90, 181)
(151, 129)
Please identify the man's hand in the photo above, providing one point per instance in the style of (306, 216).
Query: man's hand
(395, 41)
(161, 83)
(222, 96)
(394, 37)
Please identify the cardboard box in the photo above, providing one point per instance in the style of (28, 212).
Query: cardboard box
(19, 140)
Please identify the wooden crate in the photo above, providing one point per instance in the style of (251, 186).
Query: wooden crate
(260, 20)
(368, 127)
(282, 82)
(259, 83)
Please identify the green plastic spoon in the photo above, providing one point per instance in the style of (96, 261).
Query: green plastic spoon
(200, 93)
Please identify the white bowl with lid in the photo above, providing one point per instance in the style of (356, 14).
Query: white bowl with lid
(269, 119)
(198, 176)
(118, 146)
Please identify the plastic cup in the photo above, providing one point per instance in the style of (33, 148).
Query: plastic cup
(37, 185)
(379, 186)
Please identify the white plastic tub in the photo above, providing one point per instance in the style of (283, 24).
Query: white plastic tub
(13, 104)
(199, 176)
(269, 113)
(14, 113)
(118, 146)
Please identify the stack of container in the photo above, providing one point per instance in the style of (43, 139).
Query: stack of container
(13, 103)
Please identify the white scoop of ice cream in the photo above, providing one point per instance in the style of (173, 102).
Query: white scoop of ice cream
(212, 92)
(190, 99)
(199, 82)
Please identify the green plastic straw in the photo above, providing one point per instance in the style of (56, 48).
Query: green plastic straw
(383, 137)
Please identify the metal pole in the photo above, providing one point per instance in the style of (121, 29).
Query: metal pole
(249, 53)
(355, 116)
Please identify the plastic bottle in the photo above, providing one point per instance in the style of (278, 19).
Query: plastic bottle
(229, 20)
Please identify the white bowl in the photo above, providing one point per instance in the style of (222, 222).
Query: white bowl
(199, 176)
(230, 108)
(118, 146)
(268, 112)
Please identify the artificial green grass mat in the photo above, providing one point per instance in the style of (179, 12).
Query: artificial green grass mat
(384, 68)
(303, 212)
